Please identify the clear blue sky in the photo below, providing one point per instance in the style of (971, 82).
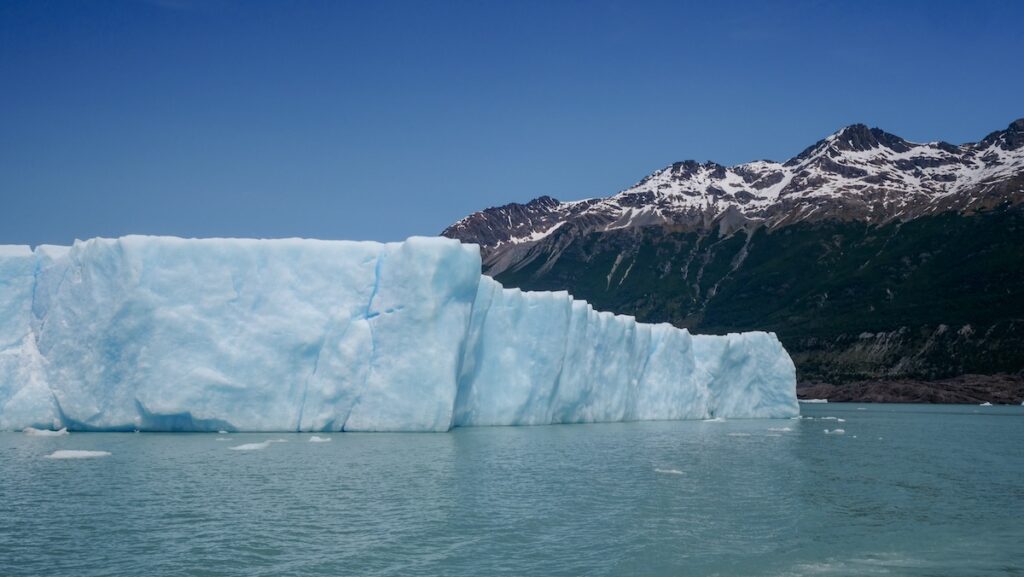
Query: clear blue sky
(380, 120)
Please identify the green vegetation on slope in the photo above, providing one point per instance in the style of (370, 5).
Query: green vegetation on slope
(934, 297)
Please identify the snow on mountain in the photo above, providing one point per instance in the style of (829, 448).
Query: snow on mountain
(857, 173)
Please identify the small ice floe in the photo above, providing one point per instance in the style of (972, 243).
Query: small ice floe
(861, 408)
(222, 432)
(985, 404)
(73, 454)
(840, 420)
(317, 439)
(780, 429)
(799, 417)
(738, 434)
(715, 420)
(34, 432)
(251, 446)
(813, 401)
(835, 432)
(828, 418)
(221, 439)
(256, 446)
(668, 471)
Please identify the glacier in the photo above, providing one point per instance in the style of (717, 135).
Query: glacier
(169, 334)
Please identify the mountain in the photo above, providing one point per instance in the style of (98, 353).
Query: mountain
(872, 257)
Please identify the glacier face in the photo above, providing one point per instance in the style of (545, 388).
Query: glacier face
(158, 333)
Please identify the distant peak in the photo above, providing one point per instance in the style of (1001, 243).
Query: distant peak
(1010, 139)
(1014, 134)
(689, 167)
(854, 131)
(684, 165)
(858, 137)
(543, 201)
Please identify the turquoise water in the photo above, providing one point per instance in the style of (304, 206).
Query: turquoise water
(907, 490)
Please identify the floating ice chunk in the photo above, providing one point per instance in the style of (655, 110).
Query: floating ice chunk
(812, 401)
(780, 429)
(251, 446)
(738, 434)
(985, 404)
(222, 432)
(827, 418)
(861, 409)
(76, 454)
(669, 471)
(33, 432)
(316, 439)
(840, 420)
(835, 432)
(715, 420)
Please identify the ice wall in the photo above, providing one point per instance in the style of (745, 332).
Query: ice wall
(156, 333)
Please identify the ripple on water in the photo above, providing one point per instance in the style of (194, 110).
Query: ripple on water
(620, 499)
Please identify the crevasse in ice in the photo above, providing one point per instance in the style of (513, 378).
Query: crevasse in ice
(158, 333)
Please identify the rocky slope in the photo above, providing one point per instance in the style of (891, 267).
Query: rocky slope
(998, 389)
(872, 257)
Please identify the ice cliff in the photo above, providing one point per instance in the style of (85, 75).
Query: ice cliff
(157, 333)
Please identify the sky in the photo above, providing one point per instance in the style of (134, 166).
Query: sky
(381, 120)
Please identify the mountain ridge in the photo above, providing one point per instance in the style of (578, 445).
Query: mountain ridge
(856, 173)
(873, 258)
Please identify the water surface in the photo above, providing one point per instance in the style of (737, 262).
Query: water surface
(907, 490)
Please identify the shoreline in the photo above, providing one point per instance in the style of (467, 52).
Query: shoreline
(998, 389)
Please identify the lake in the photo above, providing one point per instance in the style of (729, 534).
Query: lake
(905, 490)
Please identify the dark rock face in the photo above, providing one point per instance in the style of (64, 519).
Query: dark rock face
(1010, 139)
(999, 389)
(859, 137)
(874, 259)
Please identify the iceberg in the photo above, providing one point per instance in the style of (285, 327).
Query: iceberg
(33, 432)
(169, 334)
